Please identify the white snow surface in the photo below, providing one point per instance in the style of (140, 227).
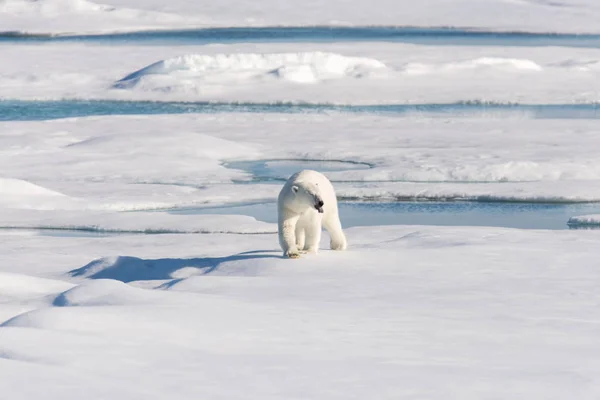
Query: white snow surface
(106, 222)
(406, 312)
(83, 16)
(340, 73)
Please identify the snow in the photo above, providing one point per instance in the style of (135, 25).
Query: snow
(103, 292)
(82, 16)
(127, 163)
(585, 221)
(339, 73)
(131, 223)
(205, 300)
(336, 325)
(296, 67)
(18, 193)
(111, 289)
(17, 187)
(478, 63)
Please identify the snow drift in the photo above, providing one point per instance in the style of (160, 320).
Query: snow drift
(18, 193)
(103, 292)
(195, 70)
(391, 73)
(18, 187)
(23, 286)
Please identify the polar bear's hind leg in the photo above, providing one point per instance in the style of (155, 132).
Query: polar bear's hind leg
(334, 228)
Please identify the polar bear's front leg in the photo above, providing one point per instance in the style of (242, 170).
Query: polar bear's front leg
(287, 236)
(313, 236)
(300, 236)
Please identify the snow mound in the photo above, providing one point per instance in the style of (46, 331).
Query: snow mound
(477, 64)
(103, 292)
(304, 67)
(17, 193)
(17, 285)
(17, 187)
(585, 220)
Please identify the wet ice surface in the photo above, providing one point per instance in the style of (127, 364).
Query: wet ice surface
(319, 34)
(461, 213)
(15, 110)
(509, 215)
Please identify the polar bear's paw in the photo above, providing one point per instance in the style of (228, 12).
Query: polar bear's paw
(311, 250)
(292, 254)
(339, 244)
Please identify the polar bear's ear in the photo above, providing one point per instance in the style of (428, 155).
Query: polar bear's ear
(295, 189)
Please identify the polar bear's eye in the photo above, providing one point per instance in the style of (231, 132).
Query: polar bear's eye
(295, 189)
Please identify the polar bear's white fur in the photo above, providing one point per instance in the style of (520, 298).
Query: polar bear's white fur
(306, 202)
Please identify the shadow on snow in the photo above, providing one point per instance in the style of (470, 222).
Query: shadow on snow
(128, 269)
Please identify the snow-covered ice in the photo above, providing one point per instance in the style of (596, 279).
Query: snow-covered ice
(198, 69)
(340, 73)
(84, 16)
(154, 162)
(109, 289)
(131, 223)
(407, 312)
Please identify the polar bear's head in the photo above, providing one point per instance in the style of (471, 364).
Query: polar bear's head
(306, 195)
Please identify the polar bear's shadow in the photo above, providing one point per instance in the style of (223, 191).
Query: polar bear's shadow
(128, 269)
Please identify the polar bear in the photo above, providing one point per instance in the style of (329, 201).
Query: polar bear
(306, 201)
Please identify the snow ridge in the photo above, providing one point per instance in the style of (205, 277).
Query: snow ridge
(302, 67)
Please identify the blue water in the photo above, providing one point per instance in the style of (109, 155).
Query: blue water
(17, 110)
(430, 36)
(509, 215)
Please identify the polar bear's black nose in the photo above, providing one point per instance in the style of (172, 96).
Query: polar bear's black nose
(319, 206)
